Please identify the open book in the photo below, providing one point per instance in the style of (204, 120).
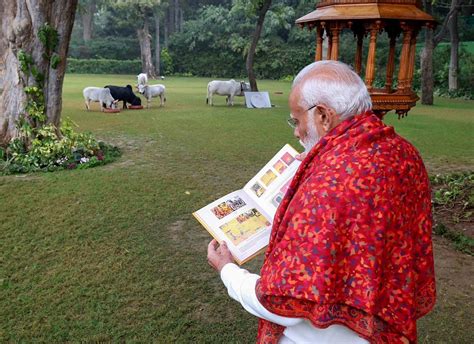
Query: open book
(243, 218)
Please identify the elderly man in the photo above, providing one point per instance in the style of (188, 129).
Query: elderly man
(350, 255)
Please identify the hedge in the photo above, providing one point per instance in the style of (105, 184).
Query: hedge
(103, 66)
(116, 48)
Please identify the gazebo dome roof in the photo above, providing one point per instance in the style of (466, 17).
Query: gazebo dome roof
(329, 10)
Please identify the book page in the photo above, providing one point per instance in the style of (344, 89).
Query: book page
(269, 185)
(239, 221)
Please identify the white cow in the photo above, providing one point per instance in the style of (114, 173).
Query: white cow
(152, 91)
(230, 89)
(142, 79)
(99, 94)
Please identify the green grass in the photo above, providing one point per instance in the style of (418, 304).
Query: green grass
(113, 253)
(443, 133)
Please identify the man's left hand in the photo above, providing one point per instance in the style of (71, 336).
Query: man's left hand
(218, 255)
(301, 156)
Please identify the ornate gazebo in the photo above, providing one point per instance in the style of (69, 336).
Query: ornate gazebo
(369, 19)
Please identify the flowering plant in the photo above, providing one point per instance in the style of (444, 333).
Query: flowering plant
(52, 150)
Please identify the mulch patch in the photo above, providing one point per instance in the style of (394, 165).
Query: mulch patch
(457, 215)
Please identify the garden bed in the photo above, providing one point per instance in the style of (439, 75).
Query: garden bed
(453, 209)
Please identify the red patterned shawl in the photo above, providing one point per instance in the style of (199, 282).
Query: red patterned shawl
(351, 240)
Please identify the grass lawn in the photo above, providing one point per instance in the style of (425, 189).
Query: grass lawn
(113, 253)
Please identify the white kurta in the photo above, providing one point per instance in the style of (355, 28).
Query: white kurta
(241, 287)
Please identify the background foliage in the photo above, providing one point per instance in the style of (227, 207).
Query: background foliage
(214, 37)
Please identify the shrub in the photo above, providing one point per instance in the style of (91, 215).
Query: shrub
(166, 62)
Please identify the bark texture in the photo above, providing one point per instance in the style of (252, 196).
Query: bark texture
(88, 20)
(261, 12)
(454, 58)
(166, 31)
(3, 48)
(426, 57)
(157, 42)
(426, 64)
(21, 20)
(176, 15)
(144, 38)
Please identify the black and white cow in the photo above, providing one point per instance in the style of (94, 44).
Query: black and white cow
(124, 94)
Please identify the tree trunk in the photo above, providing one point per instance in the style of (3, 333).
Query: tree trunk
(144, 39)
(454, 58)
(3, 47)
(88, 20)
(426, 58)
(157, 42)
(426, 61)
(21, 21)
(171, 19)
(166, 30)
(176, 15)
(261, 12)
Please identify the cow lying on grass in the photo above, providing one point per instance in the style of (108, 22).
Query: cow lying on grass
(230, 89)
(101, 95)
(124, 94)
(152, 91)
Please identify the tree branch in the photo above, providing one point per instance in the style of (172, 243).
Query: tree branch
(455, 4)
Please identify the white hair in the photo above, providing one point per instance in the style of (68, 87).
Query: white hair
(335, 85)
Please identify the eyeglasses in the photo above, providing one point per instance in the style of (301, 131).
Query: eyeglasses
(293, 122)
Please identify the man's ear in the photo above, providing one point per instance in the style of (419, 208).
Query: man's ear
(326, 118)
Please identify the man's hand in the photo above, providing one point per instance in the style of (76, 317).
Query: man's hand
(218, 255)
(301, 156)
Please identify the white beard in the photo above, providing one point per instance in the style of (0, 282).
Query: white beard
(312, 137)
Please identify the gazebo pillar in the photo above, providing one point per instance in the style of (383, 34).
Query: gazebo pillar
(358, 56)
(370, 67)
(411, 69)
(391, 61)
(319, 44)
(405, 58)
(335, 31)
